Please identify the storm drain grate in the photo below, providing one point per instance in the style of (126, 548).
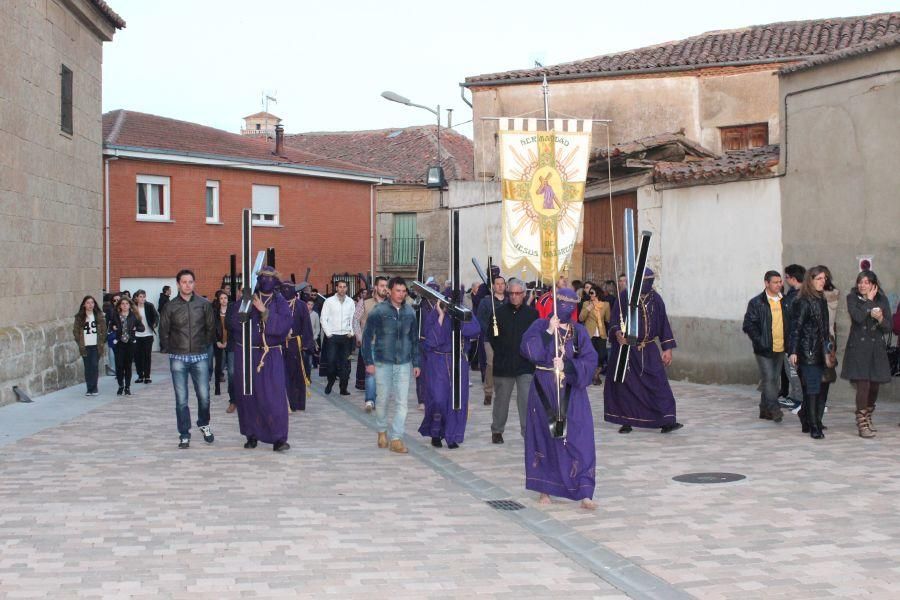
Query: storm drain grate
(709, 477)
(505, 505)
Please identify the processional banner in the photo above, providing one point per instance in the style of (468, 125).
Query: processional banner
(543, 177)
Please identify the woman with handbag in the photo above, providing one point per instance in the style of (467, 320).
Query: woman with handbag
(811, 350)
(865, 359)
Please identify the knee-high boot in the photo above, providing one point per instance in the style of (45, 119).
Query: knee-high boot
(802, 414)
(813, 416)
(820, 413)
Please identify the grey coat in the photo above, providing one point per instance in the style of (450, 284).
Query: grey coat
(866, 355)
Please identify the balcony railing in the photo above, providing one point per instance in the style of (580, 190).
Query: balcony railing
(399, 251)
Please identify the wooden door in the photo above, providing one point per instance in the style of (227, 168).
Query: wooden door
(598, 237)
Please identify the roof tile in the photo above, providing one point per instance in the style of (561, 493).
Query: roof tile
(776, 42)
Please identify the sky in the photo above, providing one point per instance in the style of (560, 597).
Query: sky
(212, 61)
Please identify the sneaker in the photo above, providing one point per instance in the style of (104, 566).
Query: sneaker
(208, 436)
(139, 380)
(796, 409)
(785, 401)
(184, 443)
(370, 406)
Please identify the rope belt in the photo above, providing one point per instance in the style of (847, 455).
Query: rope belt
(299, 339)
(265, 348)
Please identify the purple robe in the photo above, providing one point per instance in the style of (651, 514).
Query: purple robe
(560, 466)
(421, 388)
(263, 415)
(298, 339)
(440, 420)
(645, 398)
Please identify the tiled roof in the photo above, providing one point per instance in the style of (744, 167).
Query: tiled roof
(887, 41)
(775, 42)
(406, 153)
(261, 115)
(737, 164)
(640, 146)
(109, 13)
(134, 130)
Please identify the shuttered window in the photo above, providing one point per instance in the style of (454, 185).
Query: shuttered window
(265, 205)
(743, 137)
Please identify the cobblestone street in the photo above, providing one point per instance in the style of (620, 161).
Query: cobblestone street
(103, 504)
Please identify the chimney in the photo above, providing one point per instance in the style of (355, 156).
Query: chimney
(279, 139)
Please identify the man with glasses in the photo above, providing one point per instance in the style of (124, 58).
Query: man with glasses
(511, 369)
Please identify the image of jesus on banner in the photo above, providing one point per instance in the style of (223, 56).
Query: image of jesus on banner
(543, 175)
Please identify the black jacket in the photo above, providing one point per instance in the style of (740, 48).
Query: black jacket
(512, 324)
(125, 328)
(152, 316)
(810, 337)
(758, 324)
(187, 327)
(787, 305)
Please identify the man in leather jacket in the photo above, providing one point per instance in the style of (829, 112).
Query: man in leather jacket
(187, 330)
(765, 323)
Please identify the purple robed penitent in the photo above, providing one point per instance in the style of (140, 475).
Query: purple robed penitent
(440, 420)
(645, 398)
(263, 415)
(560, 466)
(299, 338)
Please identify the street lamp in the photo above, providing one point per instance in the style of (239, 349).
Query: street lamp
(434, 179)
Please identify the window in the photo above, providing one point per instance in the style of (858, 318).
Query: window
(212, 201)
(152, 198)
(265, 205)
(258, 126)
(65, 100)
(744, 137)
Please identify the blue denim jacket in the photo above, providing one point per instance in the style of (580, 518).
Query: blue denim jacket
(391, 336)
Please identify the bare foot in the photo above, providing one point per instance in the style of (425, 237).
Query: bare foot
(544, 499)
(588, 504)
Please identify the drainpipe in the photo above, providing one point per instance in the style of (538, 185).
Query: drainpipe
(106, 215)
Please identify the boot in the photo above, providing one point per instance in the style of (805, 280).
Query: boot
(597, 379)
(801, 414)
(869, 411)
(820, 414)
(862, 424)
(812, 410)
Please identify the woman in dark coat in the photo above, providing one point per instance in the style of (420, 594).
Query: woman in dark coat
(865, 359)
(809, 344)
(125, 322)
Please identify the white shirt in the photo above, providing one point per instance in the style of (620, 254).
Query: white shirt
(337, 316)
(90, 330)
(147, 332)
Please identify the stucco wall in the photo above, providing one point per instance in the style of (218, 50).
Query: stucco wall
(711, 246)
(431, 225)
(699, 102)
(50, 185)
(841, 187)
(479, 224)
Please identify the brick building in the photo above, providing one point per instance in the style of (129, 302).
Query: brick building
(176, 191)
(51, 219)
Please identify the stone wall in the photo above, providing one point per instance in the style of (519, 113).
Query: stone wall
(51, 218)
(39, 358)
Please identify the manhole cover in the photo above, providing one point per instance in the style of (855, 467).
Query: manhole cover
(505, 505)
(709, 477)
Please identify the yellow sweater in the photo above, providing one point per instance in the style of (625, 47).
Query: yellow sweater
(777, 325)
(594, 317)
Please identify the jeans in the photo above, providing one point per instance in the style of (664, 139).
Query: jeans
(229, 368)
(124, 358)
(199, 373)
(91, 368)
(795, 391)
(503, 387)
(770, 374)
(370, 388)
(392, 378)
(338, 352)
